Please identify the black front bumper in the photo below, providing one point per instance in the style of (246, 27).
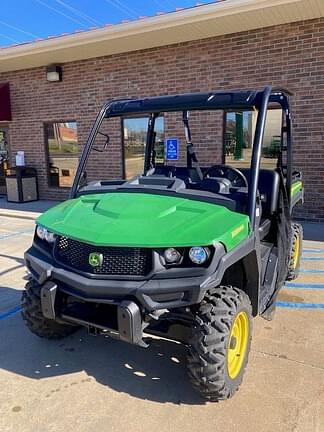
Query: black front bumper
(151, 294)
(122, 320)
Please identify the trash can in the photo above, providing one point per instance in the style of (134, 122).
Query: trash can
(21, 184)
(54, 176)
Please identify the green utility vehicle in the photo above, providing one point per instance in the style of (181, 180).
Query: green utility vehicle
(187, 252)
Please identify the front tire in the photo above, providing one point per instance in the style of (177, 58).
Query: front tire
(220, 342)
(34, 318)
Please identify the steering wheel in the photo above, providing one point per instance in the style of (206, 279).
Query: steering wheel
(234, 175)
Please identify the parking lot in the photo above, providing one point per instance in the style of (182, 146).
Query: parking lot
(98, 384)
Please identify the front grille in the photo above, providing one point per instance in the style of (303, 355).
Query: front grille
(117, 261)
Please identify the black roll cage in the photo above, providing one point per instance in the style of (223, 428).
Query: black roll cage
(247, 100)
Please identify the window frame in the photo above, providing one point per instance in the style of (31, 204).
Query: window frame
(47, 152)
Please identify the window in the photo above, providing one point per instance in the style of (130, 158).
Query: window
(134, 139)
(239, 136)
(63, 152)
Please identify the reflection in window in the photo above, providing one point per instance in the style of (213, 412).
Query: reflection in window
(63, 152)
(239, 136)
(134, 130)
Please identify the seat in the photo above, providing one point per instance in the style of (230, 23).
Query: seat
(269, 185)
(185, 173)
(163, 170)
(188, 175)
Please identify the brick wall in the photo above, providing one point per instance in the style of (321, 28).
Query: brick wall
(290, 56)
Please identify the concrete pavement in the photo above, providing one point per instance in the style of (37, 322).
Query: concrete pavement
(98, 384)
(28, 210)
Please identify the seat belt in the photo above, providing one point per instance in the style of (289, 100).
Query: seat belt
(192, 160)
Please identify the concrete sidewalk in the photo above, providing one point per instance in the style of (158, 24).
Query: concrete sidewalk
(29, 210)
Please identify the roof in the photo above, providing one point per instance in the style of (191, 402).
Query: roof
(214, 19)
(217, 100)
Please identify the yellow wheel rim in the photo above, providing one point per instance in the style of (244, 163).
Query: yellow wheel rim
(296, 252)
(237, 344)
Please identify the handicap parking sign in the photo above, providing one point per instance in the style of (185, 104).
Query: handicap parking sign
(172, 148)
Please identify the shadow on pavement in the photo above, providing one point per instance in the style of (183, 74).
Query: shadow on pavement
(20, 263)
(11, 269)
(9, 299)
(19, 260)
(313, 231)
(157, 373)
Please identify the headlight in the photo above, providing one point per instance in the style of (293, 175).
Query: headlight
(172, 256)
(199, 255)
(44, 234)
(50, 237)
(41, 232)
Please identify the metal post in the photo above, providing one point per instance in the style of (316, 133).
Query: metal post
(149, 142)
(256, 155)
(185, 120)
(238, 154)
(289, 153)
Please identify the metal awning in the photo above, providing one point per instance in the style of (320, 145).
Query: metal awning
(5, 107)
(201, 22)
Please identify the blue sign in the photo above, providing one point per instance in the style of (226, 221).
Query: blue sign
(172, 148)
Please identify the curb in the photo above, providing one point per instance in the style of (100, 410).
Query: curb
(19, 214)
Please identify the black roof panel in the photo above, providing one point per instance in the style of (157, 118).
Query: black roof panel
(192, 101)
(225, 100)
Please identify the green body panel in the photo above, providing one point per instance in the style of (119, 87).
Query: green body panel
(296, 187)
(145, 220)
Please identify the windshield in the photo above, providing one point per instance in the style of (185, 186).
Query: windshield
(123, 157)
(218, 137)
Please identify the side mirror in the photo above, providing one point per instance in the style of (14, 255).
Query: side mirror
(106, 143)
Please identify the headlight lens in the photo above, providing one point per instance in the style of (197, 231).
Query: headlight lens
(50, 237)
(172, 256)
(199, 255)
(41, 232)
(44, 234)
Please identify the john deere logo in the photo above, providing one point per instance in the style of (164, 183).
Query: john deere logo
(95, 259)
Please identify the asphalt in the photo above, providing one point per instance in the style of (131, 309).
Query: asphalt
(86, 384)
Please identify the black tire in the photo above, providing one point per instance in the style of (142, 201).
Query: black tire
(210, 342)
(296, 248)
(34, 318)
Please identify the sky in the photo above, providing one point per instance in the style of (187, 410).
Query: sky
(26, 20)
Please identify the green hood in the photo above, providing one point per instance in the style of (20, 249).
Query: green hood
(145, 220)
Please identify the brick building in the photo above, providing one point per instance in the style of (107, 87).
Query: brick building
(225, 45)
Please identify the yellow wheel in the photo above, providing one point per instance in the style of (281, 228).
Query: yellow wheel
(220, 342)
(238, 342)
(295, 251)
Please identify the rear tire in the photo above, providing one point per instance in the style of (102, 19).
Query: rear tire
(34, 318)
(215, 363)
(296, 251)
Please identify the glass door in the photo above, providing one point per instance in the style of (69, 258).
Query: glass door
(4, 157)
